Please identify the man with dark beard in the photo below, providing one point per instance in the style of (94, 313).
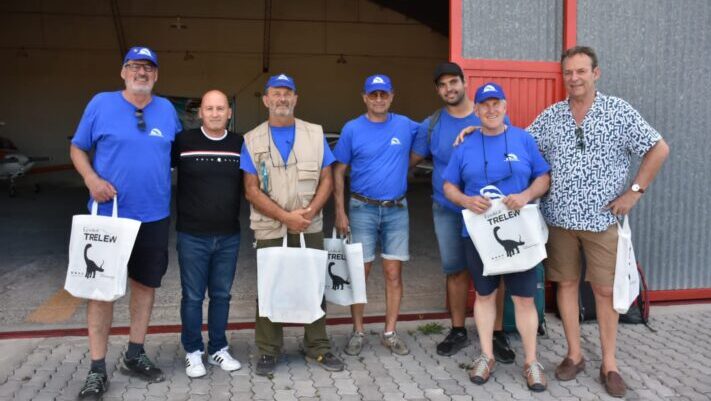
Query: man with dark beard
(435, 138)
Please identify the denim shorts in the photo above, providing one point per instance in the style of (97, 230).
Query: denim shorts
(521, 284)
(390, 226)
(448, 228)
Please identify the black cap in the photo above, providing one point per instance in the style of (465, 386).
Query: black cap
(448, 69)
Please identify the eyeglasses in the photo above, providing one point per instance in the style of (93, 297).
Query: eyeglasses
(506, 157)
(133, 67)
(378, 94)
(579, 135)
(141, 122)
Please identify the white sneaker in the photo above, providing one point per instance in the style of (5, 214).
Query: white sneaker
(223, 359)
(193, 364)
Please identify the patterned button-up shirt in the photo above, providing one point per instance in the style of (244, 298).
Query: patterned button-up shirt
(589, 172)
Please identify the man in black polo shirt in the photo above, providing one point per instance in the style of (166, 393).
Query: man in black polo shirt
(209, 192)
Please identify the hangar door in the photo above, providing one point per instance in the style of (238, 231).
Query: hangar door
(516, 44)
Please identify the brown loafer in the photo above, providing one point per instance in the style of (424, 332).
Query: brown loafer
(614, 385)
(567, 370)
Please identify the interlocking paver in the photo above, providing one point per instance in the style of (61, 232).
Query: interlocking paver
(672, 364)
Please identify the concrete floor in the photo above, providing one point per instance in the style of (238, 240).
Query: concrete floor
(34, 237)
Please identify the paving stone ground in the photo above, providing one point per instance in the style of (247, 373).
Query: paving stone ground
(671, 363)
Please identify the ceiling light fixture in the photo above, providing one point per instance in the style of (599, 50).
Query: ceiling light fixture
(188, 56)
(341, 60)
(178, 24)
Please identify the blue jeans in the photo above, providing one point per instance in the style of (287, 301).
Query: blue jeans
(448, 229)
(206, 262)
(390, 226)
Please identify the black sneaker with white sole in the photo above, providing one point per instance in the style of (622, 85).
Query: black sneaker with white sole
(95, 386)
(142, 367)
(454, 341)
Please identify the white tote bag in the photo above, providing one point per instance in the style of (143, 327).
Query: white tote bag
(99, 250)
(508, 241)
(290, 283)
(626, 286)
(345, 272)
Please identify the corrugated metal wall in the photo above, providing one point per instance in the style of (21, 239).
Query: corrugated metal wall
(656, 54)
(512, 29)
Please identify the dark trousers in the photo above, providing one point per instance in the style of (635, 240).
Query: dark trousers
(269, 336)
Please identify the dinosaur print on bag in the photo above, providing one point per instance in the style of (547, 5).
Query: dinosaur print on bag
(338, 281)
(91, 266)
(510, 246)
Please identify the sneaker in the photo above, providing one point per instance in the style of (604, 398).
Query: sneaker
(141, 367)
(502, 349)
(454, 341)
(95, 386)
(223, 359)
(265, 365)
(535, 379)
(481, 370)
(567, 370)
(328, 361)
(355, 343)
(193, 364)
(394, 343)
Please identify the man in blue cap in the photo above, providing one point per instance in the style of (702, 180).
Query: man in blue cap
(377, 147)
(130, 133)
(287, 180)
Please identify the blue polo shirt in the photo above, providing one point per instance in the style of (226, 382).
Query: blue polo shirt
(441, 147)
(283, 138)
(510, 161)
(379, 155)
(136, 162)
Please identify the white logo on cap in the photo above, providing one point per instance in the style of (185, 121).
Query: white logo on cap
(489, 88)
(145, 52)
(283, 77)
(378, 80)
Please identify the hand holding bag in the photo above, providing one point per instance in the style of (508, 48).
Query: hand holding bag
(508, 241)
(99, 250)
(290, 283)
(626, 286)
(345, 273)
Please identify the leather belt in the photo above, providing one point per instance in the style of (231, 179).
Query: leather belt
(382, 203)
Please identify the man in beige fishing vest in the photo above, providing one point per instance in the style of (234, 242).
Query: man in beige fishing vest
(287, 180)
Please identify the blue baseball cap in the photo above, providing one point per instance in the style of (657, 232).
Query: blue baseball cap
(489, 90)
(378, 82)
(141, 53)
(280, 81)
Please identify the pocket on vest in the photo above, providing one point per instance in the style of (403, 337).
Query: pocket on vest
(308, 175)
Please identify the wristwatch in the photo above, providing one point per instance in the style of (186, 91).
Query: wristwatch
(637, 188)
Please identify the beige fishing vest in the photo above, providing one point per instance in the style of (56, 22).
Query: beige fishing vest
(291, 186)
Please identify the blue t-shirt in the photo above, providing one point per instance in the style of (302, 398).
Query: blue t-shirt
(510, 161)
(441, 147)
(135, 162)
(379, 155)
(283, 138)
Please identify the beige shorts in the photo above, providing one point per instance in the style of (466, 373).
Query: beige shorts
(564, 246)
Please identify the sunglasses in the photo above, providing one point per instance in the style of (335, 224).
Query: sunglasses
(579, 135)
(141, 122)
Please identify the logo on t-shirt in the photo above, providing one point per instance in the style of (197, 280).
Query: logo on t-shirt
(395, 141)
(511, 157)
(156, 132)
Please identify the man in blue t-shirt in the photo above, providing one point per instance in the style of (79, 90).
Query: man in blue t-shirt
(377, 147)
(130, 133)
(435, 138)
(507, 158)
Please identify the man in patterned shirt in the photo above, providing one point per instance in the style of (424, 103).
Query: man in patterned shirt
(588, 140)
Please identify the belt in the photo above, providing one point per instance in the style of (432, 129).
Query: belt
(382, 203)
